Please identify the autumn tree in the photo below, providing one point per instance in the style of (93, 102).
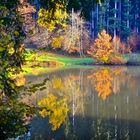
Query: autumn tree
(76, 36)
(53, 18)
(104, 51)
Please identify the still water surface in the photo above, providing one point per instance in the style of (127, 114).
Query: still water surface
(100, 103)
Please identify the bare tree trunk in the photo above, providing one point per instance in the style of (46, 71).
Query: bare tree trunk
(136, 16)
(128, 22)
(120, 13)
(92, 23)
(72, 25)
(97, 16)
(115, 30)
(81, 38)
(115, 17)
(107, 16)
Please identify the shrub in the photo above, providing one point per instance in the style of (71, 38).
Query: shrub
(57, 42)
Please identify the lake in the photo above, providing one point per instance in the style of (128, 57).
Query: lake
(85, 103)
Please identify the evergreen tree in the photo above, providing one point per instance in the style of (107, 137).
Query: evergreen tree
(126, 18)
(135, 15)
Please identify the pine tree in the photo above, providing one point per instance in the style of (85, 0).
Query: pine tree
(126, 17)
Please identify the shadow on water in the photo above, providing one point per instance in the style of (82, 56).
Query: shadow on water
(87, 128)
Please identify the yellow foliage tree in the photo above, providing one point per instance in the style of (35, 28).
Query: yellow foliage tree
(104, 51)
(102, 47)
(50, 18)
(57, 83)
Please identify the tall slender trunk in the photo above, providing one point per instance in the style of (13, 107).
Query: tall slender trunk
(97, 17)
(136, 17)
(115, 17)
(72, 24)
(128, 22)
(92, 23)
(81, 37)
(120, 14)
(115, 30)
(107, 15)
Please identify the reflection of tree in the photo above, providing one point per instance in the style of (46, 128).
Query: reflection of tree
(106, 130)
(107, 81)
(56, 109)
(57, 83)
(103, 83)
(70, 86)
(78, 90)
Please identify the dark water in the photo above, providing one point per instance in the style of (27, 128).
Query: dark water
(100, 103)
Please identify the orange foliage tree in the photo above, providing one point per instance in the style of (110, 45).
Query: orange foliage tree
(104, 51)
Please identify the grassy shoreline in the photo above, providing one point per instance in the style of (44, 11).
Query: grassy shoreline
(39, 61)
(40, 56)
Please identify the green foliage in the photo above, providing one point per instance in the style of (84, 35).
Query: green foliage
(12, 114)
(12, 111)
(11, 36)
(84, 5)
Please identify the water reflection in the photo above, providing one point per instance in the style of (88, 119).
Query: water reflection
(103, 103)
(100, 103)
(107, 81)
(56, 109)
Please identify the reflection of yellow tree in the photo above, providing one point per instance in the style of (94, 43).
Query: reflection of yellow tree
(70, 87)
(57, 83)
(106, 81)
(55, 109)
(103, 83)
